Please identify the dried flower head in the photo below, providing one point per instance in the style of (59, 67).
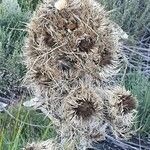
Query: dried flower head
(83, 111)
(82, 104)
(122, 111)
(127, 103)
(85, 43)
(124, 100)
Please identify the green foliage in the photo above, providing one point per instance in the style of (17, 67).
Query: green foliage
(28, 4)
(12, 23)
(132, 15)
(139, 86)
(20, 125)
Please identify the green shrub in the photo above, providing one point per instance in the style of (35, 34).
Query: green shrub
(27, 5)
(12, 23)
(132, 15)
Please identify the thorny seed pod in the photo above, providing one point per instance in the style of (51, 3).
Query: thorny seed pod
(82, 105)
(83, 110)
(85, 43)
(122, 110)
(124, 100)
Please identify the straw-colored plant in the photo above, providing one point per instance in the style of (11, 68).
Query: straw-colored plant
(71, 48)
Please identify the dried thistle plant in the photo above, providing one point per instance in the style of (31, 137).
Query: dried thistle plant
(71, 46)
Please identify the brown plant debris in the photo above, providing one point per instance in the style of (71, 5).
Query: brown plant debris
(71, 50)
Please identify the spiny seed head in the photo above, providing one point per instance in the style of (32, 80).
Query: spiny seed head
(85, 43)
(84, 109)
(127, 103)
(121, 99)
(82, 105)
(124, 100)
(121, 111)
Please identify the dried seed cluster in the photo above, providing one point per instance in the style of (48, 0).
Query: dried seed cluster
(71, 48)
